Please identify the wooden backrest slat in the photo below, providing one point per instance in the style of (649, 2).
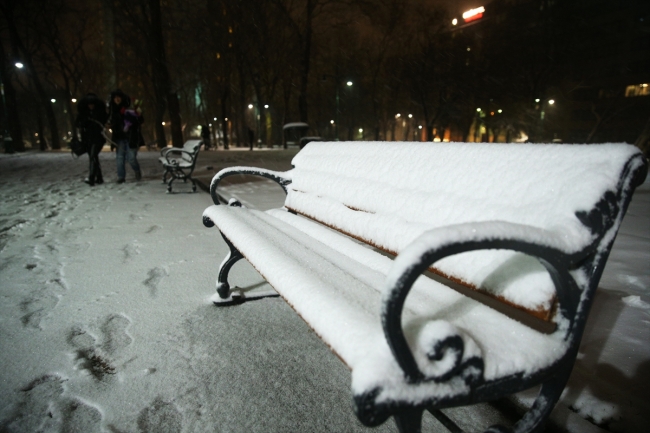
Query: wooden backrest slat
(388, 193)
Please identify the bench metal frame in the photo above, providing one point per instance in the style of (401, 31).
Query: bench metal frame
(574, 305)
(173, 157)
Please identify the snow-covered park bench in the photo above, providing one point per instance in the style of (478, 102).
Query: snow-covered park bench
(499, 249)
(179, 163)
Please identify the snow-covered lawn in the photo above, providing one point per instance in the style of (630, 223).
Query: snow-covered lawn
(105, 322)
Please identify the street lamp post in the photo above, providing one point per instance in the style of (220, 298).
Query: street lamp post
(336, 114)
(258, 126)
(336, 118)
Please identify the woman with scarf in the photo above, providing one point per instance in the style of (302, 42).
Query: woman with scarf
(124, 135)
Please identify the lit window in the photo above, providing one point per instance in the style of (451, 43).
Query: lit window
(637, 90)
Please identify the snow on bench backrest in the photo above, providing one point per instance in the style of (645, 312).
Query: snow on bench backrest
(388, 193)
(191, 145)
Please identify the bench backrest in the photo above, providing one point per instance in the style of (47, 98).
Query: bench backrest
(192, 146)
(388, 193)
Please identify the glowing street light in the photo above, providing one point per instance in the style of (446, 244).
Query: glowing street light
(349, 83)
(397, 116)
(454, 22)
(250, 106)
(551, 101)
(19, 65)
(410, 116)
(163, 124)
(74, 100)
(537, 100)
(332, 122)
(478, 110)
(266, 105)
(53, 100)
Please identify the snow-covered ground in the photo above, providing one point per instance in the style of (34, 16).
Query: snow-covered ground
(106, 326)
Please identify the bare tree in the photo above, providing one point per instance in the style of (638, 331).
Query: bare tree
(142, 20)
(8, 9)
(10, 116)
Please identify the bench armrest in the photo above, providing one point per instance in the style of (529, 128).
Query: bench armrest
(282, 178)
(165, 150)
(549, 247)
(173, 153)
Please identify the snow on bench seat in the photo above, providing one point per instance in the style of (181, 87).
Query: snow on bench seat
(388, 195)
(530, 225)
(336, 285)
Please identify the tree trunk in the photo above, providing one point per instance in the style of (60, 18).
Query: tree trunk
(224, 115)
(305, 63)
(159, 116)
(42, 142)
(45, 101)
(175, 117)
(109, 44)
(10, 108)
(161, 80)
(15, 126)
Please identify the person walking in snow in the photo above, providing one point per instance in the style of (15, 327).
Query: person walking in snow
(90, 121)
(126, 134)
(205, 136)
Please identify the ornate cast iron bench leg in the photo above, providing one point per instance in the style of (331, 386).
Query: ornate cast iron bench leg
(533, 421)
(409, 420)
(234, 297)
(169, 184)
(223, 287)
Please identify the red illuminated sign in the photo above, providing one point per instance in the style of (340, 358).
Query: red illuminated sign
(473, 14)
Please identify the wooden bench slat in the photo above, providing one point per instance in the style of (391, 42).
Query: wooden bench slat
(335, 285)
(531, 226)
(415, 188)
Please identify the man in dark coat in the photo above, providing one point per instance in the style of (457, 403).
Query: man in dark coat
(205, 136)
(122, 132)
(91, 118)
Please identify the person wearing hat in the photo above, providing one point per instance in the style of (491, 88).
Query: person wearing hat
(90, 120)
(118, 106)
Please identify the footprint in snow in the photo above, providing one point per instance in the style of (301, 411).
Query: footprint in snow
(97, 357)
(130, 250)
(154, 276)
(34, 411)
(153, 228)
(114, 336)
(160, 417)
(43, 408)
(77, 416)
(37, 307)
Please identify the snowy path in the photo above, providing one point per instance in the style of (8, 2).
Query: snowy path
(105, 324)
